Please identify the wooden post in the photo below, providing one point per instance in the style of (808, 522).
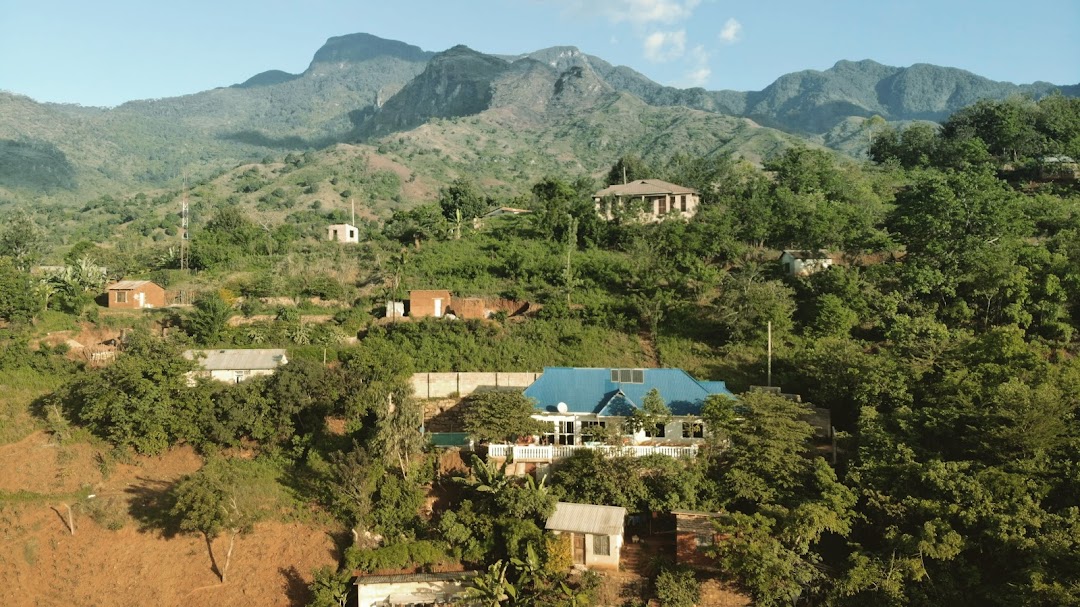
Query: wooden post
(70, 519)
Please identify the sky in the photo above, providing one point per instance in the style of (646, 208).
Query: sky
(105, 52)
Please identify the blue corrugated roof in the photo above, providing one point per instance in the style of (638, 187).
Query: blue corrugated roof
(590, 390)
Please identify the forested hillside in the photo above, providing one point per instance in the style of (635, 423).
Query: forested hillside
(943, 341)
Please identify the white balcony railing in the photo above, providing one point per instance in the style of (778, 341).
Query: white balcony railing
(548, 453)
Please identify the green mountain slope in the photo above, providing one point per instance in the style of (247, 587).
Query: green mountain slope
(580, 110)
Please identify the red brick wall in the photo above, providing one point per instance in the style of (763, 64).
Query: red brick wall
(422, 303)
(154, 297)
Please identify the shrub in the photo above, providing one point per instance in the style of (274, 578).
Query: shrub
(677, 588)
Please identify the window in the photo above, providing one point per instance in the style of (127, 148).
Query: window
(352, 233)
(693, 430)
(657, 432)
(121, 297)
(683, 197)
(663, 206)
(566, 433)
(628, 376)
(601, 545)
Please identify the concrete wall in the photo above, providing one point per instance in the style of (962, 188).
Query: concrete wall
(342, 232)
(443, 385)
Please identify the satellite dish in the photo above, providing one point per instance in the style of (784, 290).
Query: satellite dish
(561, 407)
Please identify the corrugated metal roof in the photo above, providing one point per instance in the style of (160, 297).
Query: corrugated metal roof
(590, 390)
(644, 187)
(451, 576)
(818, 254)
(238, 360)
(587, 518)
(129, 285)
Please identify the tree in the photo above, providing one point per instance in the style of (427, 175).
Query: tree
(330, 588)
(629, 168)
(17, 293)
(209, 318)
(22, 240)
(213, 501)
(653, 413)
(461, 199)
(500, 416)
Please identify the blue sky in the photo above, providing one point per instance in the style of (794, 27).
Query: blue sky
(106, 52)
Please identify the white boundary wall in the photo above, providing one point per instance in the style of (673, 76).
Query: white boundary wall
(444, 385)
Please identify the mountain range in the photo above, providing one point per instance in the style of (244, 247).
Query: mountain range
(502, 118)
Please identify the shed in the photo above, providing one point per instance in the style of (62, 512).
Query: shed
(596, 532)
(802, 263)
(342, 232)
(135, 295)
(234, 366)
(694, 532)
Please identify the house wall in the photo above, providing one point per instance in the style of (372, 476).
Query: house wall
(598, 561)
(688, 551)
(672, 203)
(444, 385)
(153, 297)
(372, 595)
(229, 376)
(672, 430)
(342, 232)
(422, 303)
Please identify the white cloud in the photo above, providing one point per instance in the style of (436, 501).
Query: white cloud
(732, 31)
(700, 72)
(665, 46)
(639, 12)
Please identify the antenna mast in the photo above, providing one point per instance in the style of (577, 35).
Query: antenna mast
(184, 228)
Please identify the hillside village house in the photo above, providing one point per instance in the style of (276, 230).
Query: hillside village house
(803, 263)
(135, 295)
(577, 401)
(342, 232)
(658, 199)
(235, 366)
(596, 533)
(430, 303)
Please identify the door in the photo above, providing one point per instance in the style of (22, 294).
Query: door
(579, 548)
(438, 308)
(140, 300)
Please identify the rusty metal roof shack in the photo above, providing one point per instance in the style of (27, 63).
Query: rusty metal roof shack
(587, 518)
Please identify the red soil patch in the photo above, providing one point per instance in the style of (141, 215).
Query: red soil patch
(41, 563)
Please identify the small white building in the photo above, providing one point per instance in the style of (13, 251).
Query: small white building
(803, 263)
(342, 232)
(235, 366)
(596, 533)
(411, 589)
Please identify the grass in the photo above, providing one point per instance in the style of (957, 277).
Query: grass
(20, 387)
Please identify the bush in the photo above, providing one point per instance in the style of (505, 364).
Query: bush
(419, 554)
(677, 588)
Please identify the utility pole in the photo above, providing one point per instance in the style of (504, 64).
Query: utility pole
(768, 367)
(352, 218)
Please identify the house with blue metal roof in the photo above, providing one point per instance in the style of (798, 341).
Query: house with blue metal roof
(578, 400)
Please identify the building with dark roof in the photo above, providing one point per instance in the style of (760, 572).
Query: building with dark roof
(648, 199)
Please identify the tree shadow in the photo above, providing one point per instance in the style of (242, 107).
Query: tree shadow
(151, 503)
(296, 589)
